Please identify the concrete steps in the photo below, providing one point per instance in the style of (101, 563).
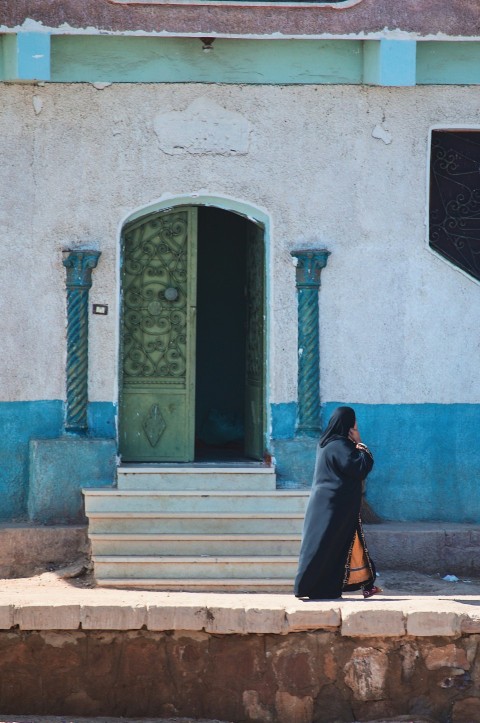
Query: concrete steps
(195, 522)
(196, 566)
(278, 585)
(189, 544)
(197, 477)
(101, 500)
(198, 527)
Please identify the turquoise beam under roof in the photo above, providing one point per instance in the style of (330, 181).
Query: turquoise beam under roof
(26, 56)
(84, 58)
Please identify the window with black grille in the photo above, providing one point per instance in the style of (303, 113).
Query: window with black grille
(454, 229)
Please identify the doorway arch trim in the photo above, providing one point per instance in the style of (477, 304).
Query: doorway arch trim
(257, 215)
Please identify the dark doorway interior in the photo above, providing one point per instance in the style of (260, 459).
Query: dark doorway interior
(221, 321)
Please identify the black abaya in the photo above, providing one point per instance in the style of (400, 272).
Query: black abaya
(332, 520)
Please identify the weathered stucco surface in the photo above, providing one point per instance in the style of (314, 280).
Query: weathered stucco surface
(450, 17)
(336, 167)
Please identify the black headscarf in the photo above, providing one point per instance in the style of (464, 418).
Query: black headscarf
(341, 422)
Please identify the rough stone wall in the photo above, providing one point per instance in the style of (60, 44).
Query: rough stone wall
(299, 678)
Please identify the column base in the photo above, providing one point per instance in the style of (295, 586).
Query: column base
(59, 469)
(295, 461)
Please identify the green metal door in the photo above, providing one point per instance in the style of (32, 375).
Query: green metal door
(255, 345)
(157, 392)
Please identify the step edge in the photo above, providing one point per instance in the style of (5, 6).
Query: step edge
(195, 470)
(186, 536)
(115, 492)
(263, 582)
(214, 514)
(169, 559)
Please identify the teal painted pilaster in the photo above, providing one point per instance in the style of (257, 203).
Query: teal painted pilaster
(389, 62)
(26, 56)
(309, 266)
(79, 265)
(447, 63)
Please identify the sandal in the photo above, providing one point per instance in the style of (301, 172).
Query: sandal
(372, 591)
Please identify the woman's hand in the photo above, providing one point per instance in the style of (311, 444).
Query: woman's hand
(354, 435)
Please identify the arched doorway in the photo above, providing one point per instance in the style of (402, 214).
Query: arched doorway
(192, 378)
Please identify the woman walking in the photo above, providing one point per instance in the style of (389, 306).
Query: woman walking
(333, 555)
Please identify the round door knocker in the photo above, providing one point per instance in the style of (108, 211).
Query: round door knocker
(171, 294)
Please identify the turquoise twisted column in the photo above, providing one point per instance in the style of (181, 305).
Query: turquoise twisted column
(309, 266)
(79, 265)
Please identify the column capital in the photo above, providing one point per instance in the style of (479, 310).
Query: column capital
(79, 265)
(310, 263)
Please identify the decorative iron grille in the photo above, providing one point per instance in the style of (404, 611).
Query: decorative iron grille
(454, 229)
(155, 298)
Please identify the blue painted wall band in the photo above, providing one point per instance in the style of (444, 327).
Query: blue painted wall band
(427, 459)
(427, 456)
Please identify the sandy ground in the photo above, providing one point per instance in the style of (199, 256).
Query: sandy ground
(393, 582)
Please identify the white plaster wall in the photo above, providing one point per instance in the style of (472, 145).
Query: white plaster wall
(398, 325)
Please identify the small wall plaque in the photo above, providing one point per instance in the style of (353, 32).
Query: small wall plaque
(101, 309)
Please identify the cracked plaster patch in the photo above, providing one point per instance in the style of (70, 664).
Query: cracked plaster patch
(37, 104)
(382, 134)
(203, 128)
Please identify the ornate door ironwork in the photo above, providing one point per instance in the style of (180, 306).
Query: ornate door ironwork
(455, 198)
(158, 337)
(255, 345)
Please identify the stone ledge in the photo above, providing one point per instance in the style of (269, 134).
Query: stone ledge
(426, 623)
(26, 549)
(382, 622)
(229, 614)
